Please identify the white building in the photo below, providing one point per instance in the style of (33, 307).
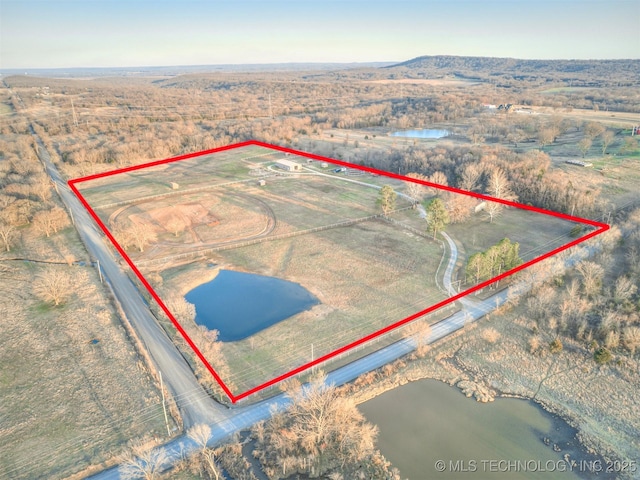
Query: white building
(288, 165)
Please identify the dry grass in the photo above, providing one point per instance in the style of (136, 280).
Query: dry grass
(366, 276)
(66, 403)
(600, 401)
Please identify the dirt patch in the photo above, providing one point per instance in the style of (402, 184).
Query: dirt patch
(183, 216)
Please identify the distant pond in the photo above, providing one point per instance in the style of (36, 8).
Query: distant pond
(240, 304)
(422, 133)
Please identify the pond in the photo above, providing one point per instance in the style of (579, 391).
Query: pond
(424, 422)
(422, 133)
(240, 304)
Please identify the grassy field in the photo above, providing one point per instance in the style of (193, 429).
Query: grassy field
(67, 403)
(367, 275)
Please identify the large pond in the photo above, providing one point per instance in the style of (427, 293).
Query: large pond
(426, 422)
(422, 133)
(240, 304)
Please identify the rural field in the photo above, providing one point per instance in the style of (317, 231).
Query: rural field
(237, 210)
(74, 390)
(77, 388)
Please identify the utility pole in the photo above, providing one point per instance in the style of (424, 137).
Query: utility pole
(164, 408)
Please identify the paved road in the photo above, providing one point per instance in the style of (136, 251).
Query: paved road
(194, 403)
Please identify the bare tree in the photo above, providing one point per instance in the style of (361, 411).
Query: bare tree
(200, 434)
(438, 178)
(53, 285)
(592, 274)
(593, 129)
(42, 188)
(546, 136)
(147, 464)
(499, 185)
(50, 221)
(141, 234)
(470, 179)
(415, 190)
(584, 145)
(7, 234)
(181, 309)
(607, 137)
(175, 225)
(208, 456)
(624, 289)
(460, 207)
(420, 331)
(320, 431)
(494, 209)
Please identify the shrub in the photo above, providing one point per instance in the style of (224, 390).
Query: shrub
(555, 346)
(602, 356)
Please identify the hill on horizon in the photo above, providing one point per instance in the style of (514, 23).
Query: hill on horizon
(619, 72)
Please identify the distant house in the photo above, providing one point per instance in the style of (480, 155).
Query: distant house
(288, 165)
(324, 165)
(174, 186)
(261, 183)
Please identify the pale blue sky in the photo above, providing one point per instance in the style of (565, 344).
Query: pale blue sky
(117, 33)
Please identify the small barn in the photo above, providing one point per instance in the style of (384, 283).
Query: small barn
(174, 186)
(288, 165)
(261, 183)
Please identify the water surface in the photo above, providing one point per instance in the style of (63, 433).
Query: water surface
(422, 133)
(240, 304)
(426, 421)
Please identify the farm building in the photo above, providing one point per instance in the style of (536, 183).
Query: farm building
(261, 183)
(288, 165)
(174, 186)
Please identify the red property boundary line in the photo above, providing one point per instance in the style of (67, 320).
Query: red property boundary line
(600, 228)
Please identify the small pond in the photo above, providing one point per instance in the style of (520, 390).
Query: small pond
(422, 133)
(240, 304)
